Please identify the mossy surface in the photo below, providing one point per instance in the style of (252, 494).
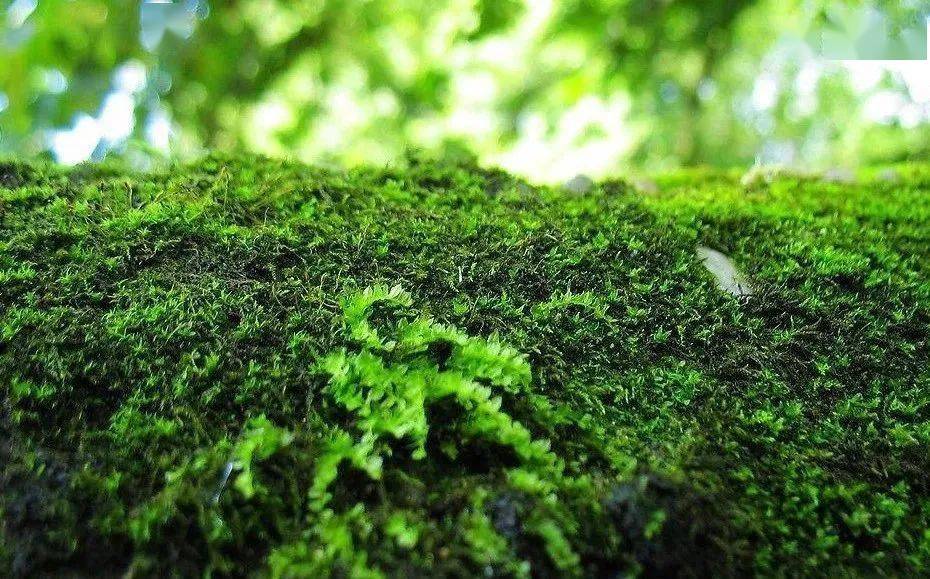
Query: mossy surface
(248, 367)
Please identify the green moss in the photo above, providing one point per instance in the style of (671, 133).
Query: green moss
(249, 367)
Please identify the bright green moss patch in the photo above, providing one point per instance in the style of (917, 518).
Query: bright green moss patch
(249, 367)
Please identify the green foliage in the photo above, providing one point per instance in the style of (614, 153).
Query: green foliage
(389, 387)
(589, 84)
(213, 370)
(392, 399)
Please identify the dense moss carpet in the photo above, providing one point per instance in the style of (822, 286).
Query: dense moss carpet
(249, 367)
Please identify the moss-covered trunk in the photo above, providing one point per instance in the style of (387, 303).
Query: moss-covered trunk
(246, 367)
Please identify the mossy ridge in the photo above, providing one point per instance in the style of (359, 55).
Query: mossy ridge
(157, 328)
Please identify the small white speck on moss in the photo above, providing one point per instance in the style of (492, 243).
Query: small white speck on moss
(579, 184)
(728, 277)
(759, 175)
(644, 185)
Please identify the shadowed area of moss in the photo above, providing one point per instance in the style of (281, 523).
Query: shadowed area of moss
(249, 367)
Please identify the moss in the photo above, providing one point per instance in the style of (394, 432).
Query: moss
(250, 367)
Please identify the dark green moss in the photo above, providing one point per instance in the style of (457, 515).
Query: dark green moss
(249, 367)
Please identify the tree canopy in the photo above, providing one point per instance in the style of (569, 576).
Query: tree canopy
(546, 89)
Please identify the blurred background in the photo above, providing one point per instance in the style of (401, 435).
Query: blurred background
(546, 89)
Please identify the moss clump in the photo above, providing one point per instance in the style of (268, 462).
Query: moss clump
(249, 367)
